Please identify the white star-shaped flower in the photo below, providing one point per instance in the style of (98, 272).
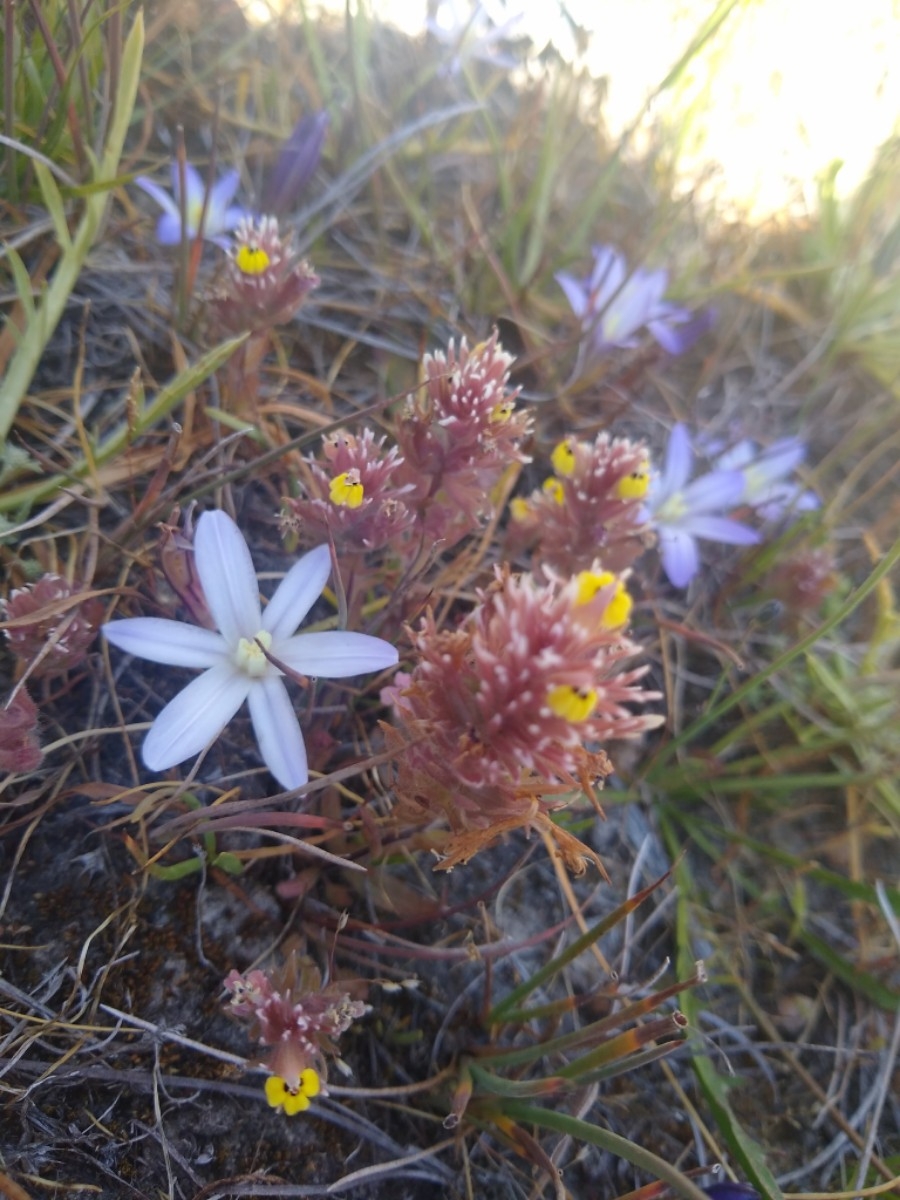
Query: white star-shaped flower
(236, 669)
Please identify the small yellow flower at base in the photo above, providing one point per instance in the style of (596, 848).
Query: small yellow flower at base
(251, 260)
(635, 485)
(563, 458)
(554, 489)
(519, 508)
(501, 413)
(570, 703)
(618, 610)
(346, 490)
(293, 1100)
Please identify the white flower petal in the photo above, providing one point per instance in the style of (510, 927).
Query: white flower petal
(168, 642)
(227, 575)
(297, 593)
(278, 732)
(197, 715)
(335, 655)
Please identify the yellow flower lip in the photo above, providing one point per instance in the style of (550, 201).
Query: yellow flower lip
(563, 458)
(571, 703)
(280, 1094)
(634, 485)
(347, 489)
(251, 260)
(618, 609)
(554, 489)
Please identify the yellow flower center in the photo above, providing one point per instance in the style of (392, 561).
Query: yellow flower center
(346, 489)
(280, 1094)
(571, 703)
(554, 489)
(563, 458)
(519, 508)
(501, 413)
(618, 610)
(634, 486)
(250, 657)
(251, 260)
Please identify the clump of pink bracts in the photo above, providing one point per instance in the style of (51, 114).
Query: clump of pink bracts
(458, 435)
(293, 1015)
(382, 517)
(49, 626)
(260, 299)
(20, 751)
(580, 515)
(485, 746)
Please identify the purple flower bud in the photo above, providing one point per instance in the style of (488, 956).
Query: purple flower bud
(297, 163)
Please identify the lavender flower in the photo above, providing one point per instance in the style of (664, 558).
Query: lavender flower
(614, 307)
(221, 215)
(681, 512)
(473, 34)
(240, 658)
(766, 485)
(297, 162)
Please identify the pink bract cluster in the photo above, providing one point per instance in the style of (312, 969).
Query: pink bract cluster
(266, 283)
(590, 507)
(455, 440)
(294, 1016)
(458, 435)
(20, 750)
(51, 624)
(353, 492)
(506, 714)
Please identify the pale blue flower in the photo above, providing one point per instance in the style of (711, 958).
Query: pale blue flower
(615, 306)
(474, 33)
(221, 215)
(682, 511)
(235, 667)
(767, 488)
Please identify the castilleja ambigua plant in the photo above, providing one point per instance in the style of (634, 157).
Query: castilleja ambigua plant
(459, 434)
(502, 719)
(247, 656)
(50, 624)
(298, 1021)
(590, 507)
(265, 282)
(353, 494)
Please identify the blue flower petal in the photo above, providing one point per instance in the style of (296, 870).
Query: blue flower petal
(679, 554)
